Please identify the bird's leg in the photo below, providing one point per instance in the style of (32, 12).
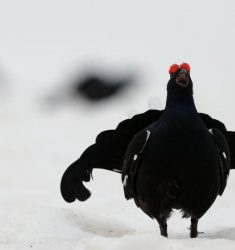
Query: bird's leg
(163, 226)
(193, 227)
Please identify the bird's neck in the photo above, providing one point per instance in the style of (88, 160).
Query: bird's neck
(180, 104)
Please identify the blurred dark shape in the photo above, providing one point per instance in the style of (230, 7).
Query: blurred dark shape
(95, 87)
(92, 86)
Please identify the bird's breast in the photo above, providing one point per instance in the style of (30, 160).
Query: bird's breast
(182, 148)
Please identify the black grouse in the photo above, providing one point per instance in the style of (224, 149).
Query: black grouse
(109, 149)
(176, 162)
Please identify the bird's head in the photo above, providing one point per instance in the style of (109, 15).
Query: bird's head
(180, 80)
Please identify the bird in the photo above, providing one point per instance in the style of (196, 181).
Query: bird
(110, 147)
(95, 87)
(176, 162)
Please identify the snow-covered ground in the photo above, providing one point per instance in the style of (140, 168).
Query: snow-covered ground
(42, 44)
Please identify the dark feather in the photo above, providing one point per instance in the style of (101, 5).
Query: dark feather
(224, 166)
(130, 166)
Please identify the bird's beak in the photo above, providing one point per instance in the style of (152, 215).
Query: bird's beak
(183, 78)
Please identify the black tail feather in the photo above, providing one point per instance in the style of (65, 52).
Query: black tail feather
(231, 143)
(95, 156)
(81, 192)
(72, 186)
(107, 153)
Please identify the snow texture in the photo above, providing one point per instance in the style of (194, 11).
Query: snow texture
(44, 44)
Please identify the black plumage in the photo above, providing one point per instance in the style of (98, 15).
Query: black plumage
(175, 162)
(110, 147)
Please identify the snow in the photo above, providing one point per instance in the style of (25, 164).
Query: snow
(44, 44)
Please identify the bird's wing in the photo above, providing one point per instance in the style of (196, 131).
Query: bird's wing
(224, 165)
(132, 161)
(229, 135)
